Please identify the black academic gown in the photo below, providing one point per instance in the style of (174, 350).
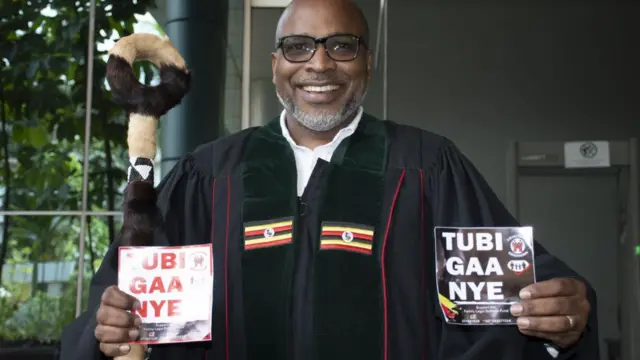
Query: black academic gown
(288, 288)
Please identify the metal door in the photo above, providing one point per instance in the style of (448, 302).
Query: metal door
(601, 204)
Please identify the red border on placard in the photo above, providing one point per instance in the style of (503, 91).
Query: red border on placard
(173, 341)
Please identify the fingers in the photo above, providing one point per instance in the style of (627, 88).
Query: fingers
(545, 307)
(556, 310)
(546, 324)
(116, 298)
(111, 316)
(551, 314)
(114, 350)
(116, 325)
(115, 335)
(553, 288)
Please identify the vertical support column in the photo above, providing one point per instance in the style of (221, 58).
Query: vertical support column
(630, 294)
(381, 38)
(85, 167)
(246, 65)
(385, 68)
(198, 29)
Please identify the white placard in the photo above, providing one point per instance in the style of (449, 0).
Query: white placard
(175, 288)
(586, 154)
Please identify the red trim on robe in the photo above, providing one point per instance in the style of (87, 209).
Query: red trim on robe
(383, 266)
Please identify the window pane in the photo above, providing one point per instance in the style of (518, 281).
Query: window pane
(40, 167)
(43, 101)
(101, 232)
(41, 115)
(38, 276)
(38, 307)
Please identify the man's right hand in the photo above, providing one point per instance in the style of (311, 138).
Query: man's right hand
(116, 325)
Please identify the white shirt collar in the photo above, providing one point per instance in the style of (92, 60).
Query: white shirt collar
(341, 135)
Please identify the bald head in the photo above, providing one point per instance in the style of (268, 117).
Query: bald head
(321, 84)
(347, 7)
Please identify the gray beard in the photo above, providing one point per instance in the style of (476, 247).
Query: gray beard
(321, 121)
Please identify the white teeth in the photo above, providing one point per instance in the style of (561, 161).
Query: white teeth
(320, 88)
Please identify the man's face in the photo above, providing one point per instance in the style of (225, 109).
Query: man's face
(321, 93)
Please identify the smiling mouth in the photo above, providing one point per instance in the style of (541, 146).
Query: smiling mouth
(320, 89)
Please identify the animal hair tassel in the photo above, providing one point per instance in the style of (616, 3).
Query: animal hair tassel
(144, 105)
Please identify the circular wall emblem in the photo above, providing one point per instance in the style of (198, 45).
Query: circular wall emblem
(588, 150)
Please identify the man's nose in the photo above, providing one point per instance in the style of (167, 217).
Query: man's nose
(321, 61)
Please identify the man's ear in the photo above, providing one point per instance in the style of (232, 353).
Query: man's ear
(274, 60)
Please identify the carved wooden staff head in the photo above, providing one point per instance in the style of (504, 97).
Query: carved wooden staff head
(144, 105)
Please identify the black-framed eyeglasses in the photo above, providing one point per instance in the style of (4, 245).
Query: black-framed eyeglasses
(302, 48)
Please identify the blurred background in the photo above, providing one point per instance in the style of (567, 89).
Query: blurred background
(517, 85)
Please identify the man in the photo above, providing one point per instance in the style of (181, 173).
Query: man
(303, 294)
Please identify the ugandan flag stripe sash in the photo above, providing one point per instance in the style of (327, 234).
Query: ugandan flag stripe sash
(268, 233)
(348, 237)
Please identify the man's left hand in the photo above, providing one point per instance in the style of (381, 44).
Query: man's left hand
(556, 310)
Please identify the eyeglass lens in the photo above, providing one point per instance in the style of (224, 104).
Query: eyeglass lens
(302, 48)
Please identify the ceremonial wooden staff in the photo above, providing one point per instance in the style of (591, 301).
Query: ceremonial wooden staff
(144, 105)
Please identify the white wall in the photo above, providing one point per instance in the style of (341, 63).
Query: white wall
(487, 74)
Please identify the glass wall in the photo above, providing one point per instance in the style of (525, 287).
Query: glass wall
(57, 220)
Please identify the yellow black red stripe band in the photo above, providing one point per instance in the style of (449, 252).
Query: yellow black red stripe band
(347, 236)
(274, 232)
(448, 304)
